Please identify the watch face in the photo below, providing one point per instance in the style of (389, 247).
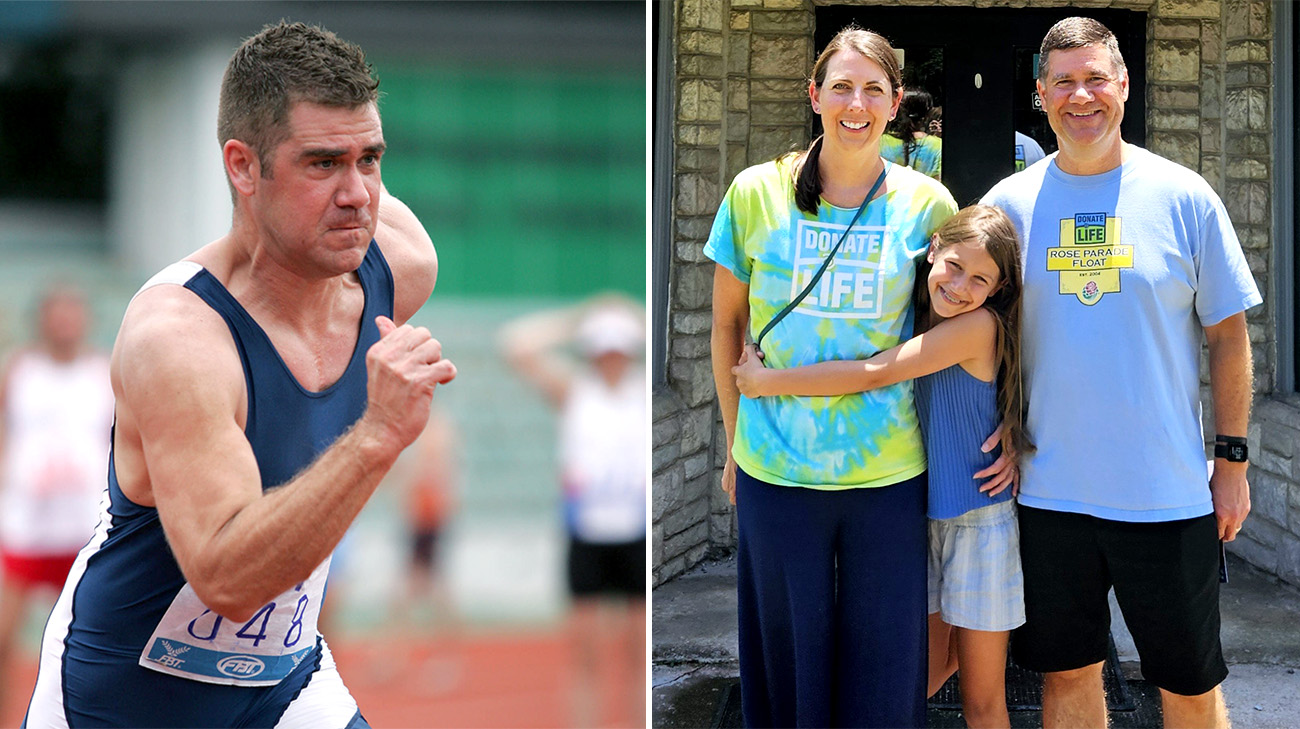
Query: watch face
(1231, 452)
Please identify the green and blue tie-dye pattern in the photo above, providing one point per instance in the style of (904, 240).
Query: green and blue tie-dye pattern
(862, 305)
(926, 157)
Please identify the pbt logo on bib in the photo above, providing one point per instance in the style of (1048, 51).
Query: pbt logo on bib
(240, 666)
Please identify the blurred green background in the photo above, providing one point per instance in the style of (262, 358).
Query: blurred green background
(532, 181)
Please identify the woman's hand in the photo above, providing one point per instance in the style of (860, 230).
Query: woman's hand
(750, 374)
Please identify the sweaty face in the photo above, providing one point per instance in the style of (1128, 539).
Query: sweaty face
(1084, 99)
(963, 277)
(855, 101)
(319, 206)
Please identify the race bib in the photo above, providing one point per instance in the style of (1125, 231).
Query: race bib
(193, 642)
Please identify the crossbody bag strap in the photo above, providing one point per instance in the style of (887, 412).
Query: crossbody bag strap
(825, 264)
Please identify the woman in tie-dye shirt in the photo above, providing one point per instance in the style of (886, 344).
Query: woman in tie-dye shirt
(829, 490)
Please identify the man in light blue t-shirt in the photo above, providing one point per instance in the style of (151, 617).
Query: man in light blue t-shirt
(1129, 258)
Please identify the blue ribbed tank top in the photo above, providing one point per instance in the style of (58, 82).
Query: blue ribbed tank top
(131, 576)
(957, 413)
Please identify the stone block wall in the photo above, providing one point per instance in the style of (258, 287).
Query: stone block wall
(1270, 538)
(741, 99)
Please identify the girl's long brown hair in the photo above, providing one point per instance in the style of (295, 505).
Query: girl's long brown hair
(873, 47)
(990, 227)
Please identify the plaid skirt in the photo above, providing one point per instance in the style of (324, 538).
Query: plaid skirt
(975, 580)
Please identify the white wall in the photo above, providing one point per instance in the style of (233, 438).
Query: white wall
(168, 193)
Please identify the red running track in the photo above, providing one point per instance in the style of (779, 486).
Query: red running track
(522, 679)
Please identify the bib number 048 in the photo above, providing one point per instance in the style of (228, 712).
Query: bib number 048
(255, 629)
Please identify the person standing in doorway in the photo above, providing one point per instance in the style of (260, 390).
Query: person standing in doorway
(909, 142)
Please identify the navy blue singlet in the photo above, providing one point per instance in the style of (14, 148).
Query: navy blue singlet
(126, 577)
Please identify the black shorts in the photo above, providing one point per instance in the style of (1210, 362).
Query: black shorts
(424, 547)
(1166, 580)
(607, 569)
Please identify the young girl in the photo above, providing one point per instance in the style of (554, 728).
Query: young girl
(966, 363)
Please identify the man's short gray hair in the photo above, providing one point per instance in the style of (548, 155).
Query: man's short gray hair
(1078, 32)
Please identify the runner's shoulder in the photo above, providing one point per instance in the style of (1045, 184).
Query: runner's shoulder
(169, 336)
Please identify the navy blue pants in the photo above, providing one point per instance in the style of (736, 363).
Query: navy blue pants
(832, 602)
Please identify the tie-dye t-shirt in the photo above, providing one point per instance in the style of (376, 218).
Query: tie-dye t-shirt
(862, 305)
(926, 156)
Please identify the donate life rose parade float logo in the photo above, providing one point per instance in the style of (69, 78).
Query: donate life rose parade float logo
(1090, 256)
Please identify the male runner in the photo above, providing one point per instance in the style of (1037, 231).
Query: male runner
(264, 385)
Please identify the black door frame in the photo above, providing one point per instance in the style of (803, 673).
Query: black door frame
(1288, 291)
(983, 41)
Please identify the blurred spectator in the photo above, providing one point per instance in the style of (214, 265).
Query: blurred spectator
(430, 503)
(601, 398)
(425, 476)
(56, 411)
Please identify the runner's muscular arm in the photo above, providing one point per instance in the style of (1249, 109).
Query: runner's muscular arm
(410, 254)
(238, 546)
(963, 338)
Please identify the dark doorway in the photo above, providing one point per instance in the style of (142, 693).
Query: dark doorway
(979, 66)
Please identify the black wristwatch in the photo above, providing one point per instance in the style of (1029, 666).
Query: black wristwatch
(1230, 448)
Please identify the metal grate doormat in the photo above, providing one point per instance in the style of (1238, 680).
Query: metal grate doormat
(727, 715)
(1128, 706)
(1025, 688)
